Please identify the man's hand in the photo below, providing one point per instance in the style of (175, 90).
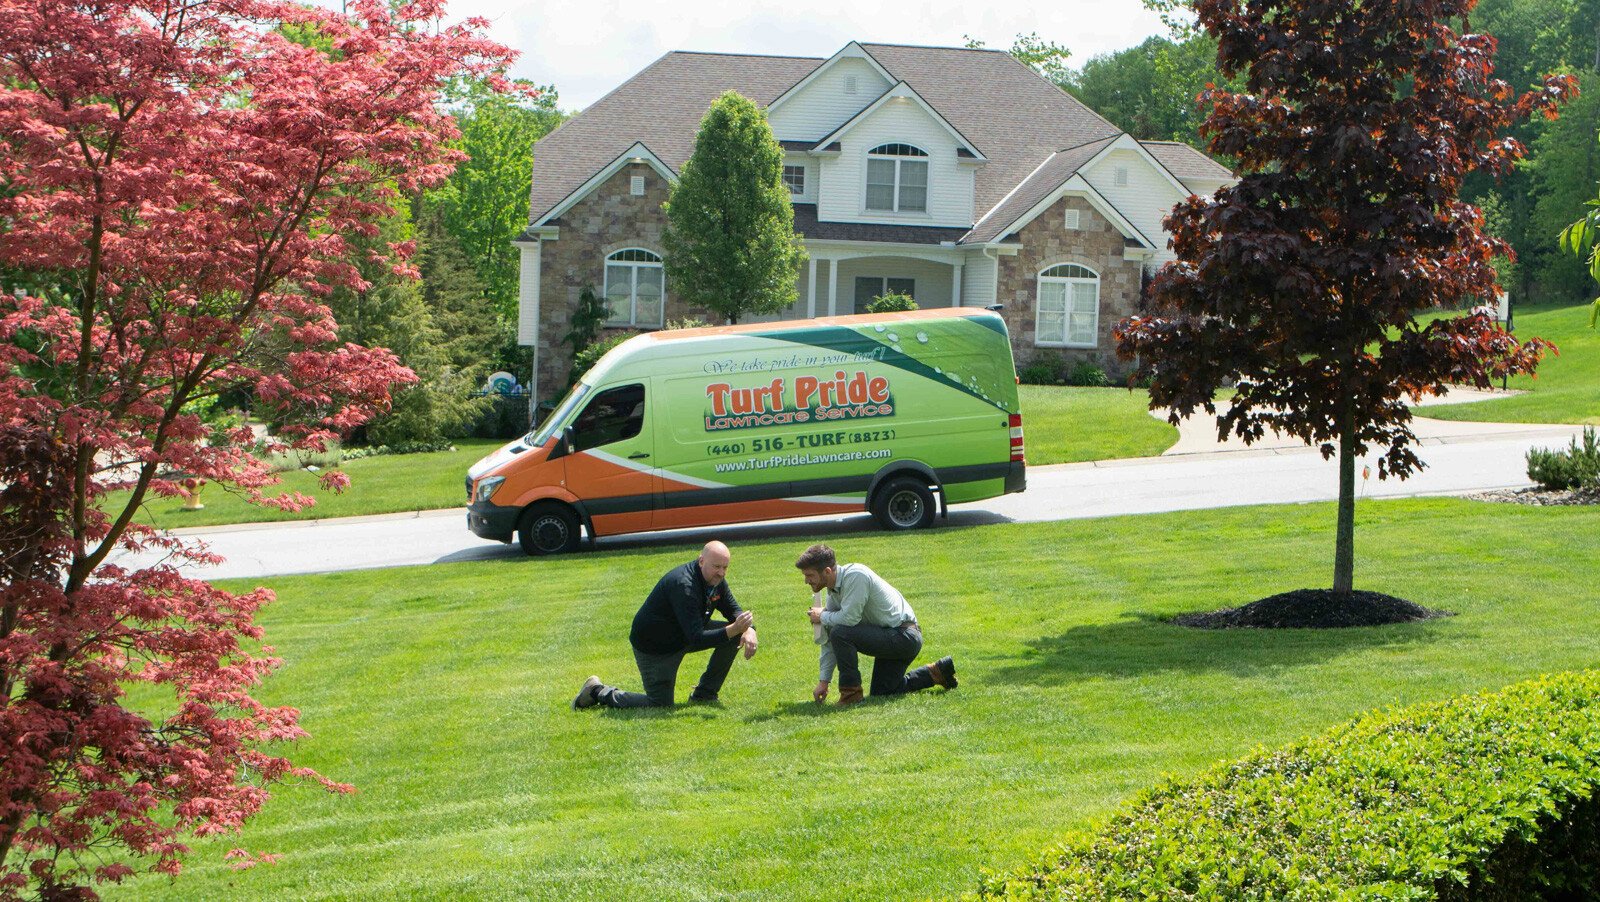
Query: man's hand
(749, 642)
(820, 694)
(815, 614)
(740, 624)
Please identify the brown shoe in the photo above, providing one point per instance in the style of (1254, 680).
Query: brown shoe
(943, 672)
(850, 695)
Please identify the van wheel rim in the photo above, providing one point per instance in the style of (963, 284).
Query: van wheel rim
(550, 532)
(905, 508)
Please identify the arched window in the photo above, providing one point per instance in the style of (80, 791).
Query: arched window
(897, 179)
(1069, 307)
(634, 288)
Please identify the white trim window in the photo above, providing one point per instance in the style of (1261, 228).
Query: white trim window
(1068, 313)
(635, 288)
(897, 179)
(794, 178)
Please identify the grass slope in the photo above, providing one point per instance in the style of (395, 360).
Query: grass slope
(378, 485)
(1567, 387)
(442, 693)
(1063, 424)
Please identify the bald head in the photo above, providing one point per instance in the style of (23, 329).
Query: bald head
(714, 562)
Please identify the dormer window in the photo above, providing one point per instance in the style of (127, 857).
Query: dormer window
(794, 178)
(897, 179)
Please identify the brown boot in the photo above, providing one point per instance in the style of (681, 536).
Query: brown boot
(850, 695)
(943, 672)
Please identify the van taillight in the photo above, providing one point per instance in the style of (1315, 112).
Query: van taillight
(1016, 437)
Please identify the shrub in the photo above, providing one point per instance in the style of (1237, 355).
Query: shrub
(1087, 374)
(1043, 369)
(588, 318)
(891, 303)
(1484, 796)
(588, 357)
(397, 448)
(1574, 468)
(688, 322)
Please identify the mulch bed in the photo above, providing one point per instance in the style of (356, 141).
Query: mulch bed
(1313, 609)
(1539, 496)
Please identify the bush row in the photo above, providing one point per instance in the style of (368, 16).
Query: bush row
(1052, 369)
(1489, 796)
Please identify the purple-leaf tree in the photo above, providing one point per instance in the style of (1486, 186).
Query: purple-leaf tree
(1302, 282)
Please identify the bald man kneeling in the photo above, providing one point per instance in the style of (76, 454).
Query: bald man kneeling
(676, 620)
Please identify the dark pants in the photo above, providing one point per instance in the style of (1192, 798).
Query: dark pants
(660, 676)
(892, 650)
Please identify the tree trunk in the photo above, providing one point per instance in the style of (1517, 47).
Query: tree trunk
(1344, 543)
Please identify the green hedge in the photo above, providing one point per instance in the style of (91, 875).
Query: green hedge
(1488, 796)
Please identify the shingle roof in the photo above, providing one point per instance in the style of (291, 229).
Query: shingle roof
(1014, 117)
(1055, 170)
(1186, 163)
(662, 107)
(805, 222)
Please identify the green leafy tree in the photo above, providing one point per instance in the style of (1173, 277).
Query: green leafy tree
(484, 204)
(730, 241)
(1151, 91)
(1300, 283)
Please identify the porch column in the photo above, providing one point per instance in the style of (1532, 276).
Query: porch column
(833, 286)
(811, 290)
(955, 284)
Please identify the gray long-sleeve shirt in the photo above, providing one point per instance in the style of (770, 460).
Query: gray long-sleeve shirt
(859, 596)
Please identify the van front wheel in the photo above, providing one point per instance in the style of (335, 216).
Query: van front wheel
(903, 503)
(548, 529)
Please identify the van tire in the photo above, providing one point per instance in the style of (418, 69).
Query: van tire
(548, 528)
(904, 502)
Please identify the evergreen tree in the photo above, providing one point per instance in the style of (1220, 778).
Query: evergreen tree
(730, 241)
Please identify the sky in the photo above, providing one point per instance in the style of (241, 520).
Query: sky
(588, 48)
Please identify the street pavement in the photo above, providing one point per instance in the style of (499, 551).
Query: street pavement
(1198, 472)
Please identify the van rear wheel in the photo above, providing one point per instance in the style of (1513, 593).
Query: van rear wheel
(903, 503)
(548, 529)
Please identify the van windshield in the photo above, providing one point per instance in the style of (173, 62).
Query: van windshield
(558, 417)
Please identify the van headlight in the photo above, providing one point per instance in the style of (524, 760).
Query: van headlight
(486, 487)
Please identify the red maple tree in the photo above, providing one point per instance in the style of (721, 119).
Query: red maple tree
(177, 182)
(1301, 283)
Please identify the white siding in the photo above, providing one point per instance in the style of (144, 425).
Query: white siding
(823, 106)
(1145, 201)
(933, 280)
(528, 294)
(810, 164)
(844, 178)
(977, 280)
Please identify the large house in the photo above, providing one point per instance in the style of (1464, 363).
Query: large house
(957, 176)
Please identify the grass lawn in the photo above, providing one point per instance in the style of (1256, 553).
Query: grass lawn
(442, 692)
(1062, 424)
(378, 485)
(1566, 389)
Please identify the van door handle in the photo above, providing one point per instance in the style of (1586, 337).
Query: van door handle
(638, 454)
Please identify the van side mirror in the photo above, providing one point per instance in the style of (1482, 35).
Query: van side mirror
(563, 444)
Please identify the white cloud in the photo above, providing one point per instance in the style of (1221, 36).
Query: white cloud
(587, 48)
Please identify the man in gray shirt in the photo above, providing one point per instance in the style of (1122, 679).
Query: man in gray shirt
(864, 615)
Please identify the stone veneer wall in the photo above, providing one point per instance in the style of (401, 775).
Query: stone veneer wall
(1045, 242)
(609, 219)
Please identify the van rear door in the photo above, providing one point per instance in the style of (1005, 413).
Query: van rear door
(612, 466)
